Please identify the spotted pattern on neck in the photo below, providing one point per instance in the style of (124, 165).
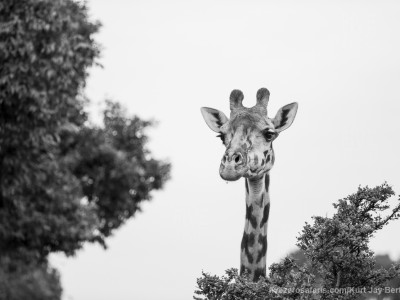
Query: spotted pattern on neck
(254, 242)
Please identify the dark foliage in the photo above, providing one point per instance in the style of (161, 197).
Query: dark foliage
(23, 280)
(114, 168)
(63, 182)
(46, 47)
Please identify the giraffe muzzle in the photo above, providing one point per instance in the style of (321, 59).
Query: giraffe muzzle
(233, 166)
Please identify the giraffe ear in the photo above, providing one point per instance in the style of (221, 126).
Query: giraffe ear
(214, 118)
(285, 116)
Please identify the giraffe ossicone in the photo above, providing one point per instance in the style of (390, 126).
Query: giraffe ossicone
(248, 135)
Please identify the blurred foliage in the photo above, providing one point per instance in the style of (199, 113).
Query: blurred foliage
(114, 168)
(24, 280)
(334, 255)
(63, 181)
(46, 47)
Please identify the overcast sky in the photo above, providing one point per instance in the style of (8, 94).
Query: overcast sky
(165, 59)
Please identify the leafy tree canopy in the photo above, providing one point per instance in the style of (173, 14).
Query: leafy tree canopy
(46, 48)
(114, 168)
(63, 181)
(33, 281)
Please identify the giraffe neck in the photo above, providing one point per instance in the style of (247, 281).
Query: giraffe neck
(254, 242)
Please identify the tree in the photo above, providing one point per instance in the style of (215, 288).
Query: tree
(46, 48)
(114, 168)
(63, 181)
(34, 281)
(337, 262)
(384, 261)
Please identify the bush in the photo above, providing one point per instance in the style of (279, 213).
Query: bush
(338, 262)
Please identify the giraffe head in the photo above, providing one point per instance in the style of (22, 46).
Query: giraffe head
(248, 134)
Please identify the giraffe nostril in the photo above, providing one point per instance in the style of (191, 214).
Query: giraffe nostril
(238, 158)
(235, 158)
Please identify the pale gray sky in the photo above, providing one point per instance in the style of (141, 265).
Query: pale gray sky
(165, 59)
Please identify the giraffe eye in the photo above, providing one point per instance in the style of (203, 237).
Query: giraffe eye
(269, 134)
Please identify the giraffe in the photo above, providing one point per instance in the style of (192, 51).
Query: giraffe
(248, 135)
